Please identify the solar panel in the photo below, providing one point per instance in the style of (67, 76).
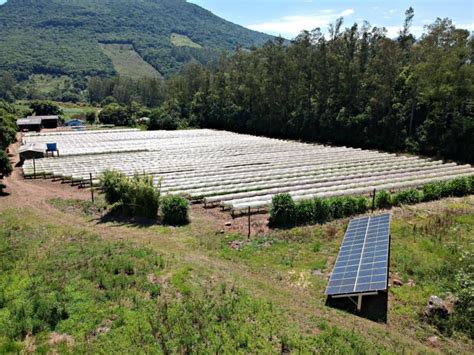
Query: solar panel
(362, 263)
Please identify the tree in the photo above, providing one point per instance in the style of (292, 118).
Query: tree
(91, 117)
(45, 108)
(5, 165)
(115, 114)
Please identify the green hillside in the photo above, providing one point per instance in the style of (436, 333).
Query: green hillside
(61, 37)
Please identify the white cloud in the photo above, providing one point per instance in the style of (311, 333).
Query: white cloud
(291, 26)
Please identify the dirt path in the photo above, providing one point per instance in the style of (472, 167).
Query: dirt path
(34, 193)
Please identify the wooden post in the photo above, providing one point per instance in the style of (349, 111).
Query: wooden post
(359, 303)
(373, 200)
(248, 236)
(92, 187)
(34, 168)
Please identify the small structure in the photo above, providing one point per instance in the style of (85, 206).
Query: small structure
(29, 124)
(31, 152)
(75, 123)
(48, 121)
(52, 148)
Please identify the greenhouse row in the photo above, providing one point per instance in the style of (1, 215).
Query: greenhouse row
(232, 170)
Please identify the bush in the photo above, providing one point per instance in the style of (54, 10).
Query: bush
(322, 210)
(114, 185)
(175, 210)
(459, 187)
(362, 204)
(383, 199)
(91, 117)
(407, 197)
(282, 211)
(304, 212)
(138, 194)
(143, 197)
(337, 205)
(432, 192)
(471, 184)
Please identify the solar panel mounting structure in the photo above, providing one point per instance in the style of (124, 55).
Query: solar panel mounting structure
(362, 265)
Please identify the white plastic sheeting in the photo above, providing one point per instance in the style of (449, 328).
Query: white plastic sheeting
(234, 170)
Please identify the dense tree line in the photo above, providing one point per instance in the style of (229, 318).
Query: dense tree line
(354, 87)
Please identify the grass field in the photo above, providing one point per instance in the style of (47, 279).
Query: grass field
(183, 41)
(127, 62)
(71, 282)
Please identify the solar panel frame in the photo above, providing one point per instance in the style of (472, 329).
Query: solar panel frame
(363, 260)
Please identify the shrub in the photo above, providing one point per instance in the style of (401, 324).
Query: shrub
(91, 117)
(282, 211)
(407, 197)
(383, 199)
(304, 212)
(175, 210)
(114, 185)
(138, 194)
(350, 206)
(143, 196)
(471, 184)
(337, 207)
(362, 204)
(322, 210)
(431, 192)
(459, 187)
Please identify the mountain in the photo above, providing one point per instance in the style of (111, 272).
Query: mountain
(106, 37)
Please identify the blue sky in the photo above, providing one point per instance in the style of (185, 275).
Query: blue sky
(289, 17)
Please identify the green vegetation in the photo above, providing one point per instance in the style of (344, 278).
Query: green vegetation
(69, 290)
(127, 62)
(175, 210)
(8, 128)
(66, 38)
(135, 196)
(45, 108)
(284, 212)
(183, 41)
(5, 165)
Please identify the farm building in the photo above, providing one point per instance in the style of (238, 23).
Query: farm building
(35, 123)
(47, 121)
(30, 152)
(29, 124)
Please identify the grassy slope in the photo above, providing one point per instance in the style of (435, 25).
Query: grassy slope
(127, 62)
(183, 41)
(197, 259)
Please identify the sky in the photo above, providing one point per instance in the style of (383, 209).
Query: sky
(288, 17)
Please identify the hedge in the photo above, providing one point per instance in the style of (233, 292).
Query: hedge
(285, 212)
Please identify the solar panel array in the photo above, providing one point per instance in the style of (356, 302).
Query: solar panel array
(362, 263)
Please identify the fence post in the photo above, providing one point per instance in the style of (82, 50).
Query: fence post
(34, 168)
(248, 236)
(373, 200)
(92, 187)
